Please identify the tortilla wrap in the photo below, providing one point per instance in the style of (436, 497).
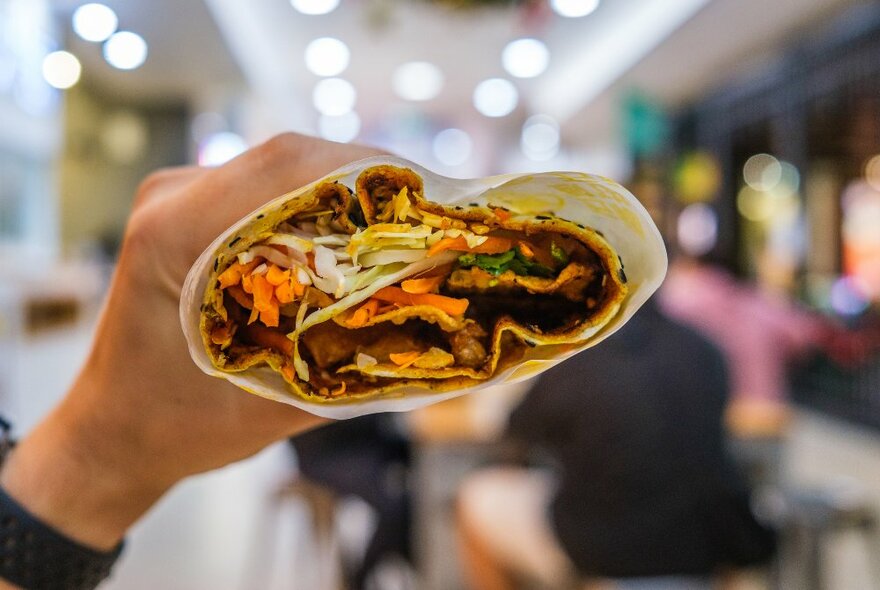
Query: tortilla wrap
(361, 288)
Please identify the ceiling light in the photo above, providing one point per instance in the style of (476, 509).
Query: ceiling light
(313, 7)
(94, 22)
(334, 97)
(846, 297)
(495, 97)
(343, 128)
(525, 58)
(574, 8)
(697, 229)
(125, 50)
(417, 80)
(61, 69)
(327, 56)
(452, 147)
(762, 172)
(219, 148)
(540, 137)
(755, 205)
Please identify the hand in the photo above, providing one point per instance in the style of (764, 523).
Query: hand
(141, 416)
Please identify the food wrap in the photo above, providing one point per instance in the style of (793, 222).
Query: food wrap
(591, 202)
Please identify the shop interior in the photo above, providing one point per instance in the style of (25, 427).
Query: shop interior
(750, 131)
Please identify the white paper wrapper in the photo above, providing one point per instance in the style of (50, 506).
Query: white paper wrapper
(588, 199)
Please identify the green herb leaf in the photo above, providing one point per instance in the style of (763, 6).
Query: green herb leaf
(513, 259)
(558, 254)
(467, 260)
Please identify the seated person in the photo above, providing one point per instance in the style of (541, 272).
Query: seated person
(642, 486)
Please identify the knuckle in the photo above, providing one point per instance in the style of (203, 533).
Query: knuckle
(148, 187)
(143, 227)
(283, 147)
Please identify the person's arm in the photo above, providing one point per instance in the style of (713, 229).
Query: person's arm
(141, 416)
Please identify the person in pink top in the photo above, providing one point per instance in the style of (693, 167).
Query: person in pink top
(759, 333)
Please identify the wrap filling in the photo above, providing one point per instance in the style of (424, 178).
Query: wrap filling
(357, 291)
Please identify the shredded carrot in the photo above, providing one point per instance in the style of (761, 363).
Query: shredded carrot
(247, 283)
(288, 372)
(276, 276)
(271, 339)
(230, 276)
(235, 272)
(450, 305)
(270, 316)
(423, 285)
(363, 314)
(284, 293)
(263, 293)
(501, 214)
(298, 288)
(255, 313)
(458, 243)
(492, 245)
(526, 250)
(404, 359)
(339, 390)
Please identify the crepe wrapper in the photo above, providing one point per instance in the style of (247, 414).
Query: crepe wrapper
(590, 202)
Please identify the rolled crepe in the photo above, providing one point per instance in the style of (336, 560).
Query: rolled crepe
(352, 292)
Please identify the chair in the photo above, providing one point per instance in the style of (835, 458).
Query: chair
(807, 520)
(319, 505)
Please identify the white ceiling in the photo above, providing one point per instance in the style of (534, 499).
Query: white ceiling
(190, 54)
(727, 39)
(187, 55)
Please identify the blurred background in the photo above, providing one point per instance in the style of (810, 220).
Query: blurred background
(750, 129)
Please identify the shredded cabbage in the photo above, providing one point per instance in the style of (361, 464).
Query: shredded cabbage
(272, 255)
(302, 275)
(332, 240)
(432, 220)
(302, 369)
(302, 244)
(401, 205)
(359, 280)
(349, 270)
(323, 226)
(325, 266)
(387, 276)
(388, 256)
(434, 238)
(472, 239)
(364, 360)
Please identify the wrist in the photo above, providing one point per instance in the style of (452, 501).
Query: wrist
(79, 478)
